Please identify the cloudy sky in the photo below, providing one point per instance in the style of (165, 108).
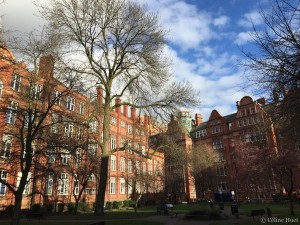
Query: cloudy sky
(204, 40)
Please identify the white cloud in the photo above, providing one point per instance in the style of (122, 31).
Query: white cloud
(243, 38)
(250, 19)
(221, 21)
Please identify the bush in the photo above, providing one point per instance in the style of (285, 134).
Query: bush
(131, 203)
(36, 208)
(60, 207)
(117, 205)
(71, 206)
(48, 208)
(125, 203)
(80, 206)
(150, 202)
(86, 207)
(215, 214)
(9, 210)
(109, 206)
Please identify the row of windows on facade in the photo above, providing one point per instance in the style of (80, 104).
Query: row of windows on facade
(64, 183)
(69, 102)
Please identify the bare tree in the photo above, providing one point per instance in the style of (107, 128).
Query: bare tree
(275, 59)
(119, 44)
(203, 160)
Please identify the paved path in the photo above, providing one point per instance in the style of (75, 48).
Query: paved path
(226, 213)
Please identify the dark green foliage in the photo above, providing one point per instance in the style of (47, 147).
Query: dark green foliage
(36, 208)
(131, 203)
(9, 210)
(71, 206)
(109, 206)
(60, 207)
(117, 205)
(48, 208)
(80, 206)
(125, 203)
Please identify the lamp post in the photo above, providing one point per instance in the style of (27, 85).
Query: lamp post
(232, 195)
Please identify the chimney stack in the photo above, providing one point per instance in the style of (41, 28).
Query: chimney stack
(118, 102)
(198, 119)
(46, 66)
(133, 112)
(100, 94)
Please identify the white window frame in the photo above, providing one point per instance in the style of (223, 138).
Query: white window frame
(113, 120)
(129, 129)
(76, 185)
(113, 163)
(94, 125)
(63, 184)
(11, 112)
(112, 185)
(4, 177)
(123, 124)
(93, 148)
(6, 146)
(113, 142)
(16, 82)
(57, 97)
(70, 103)
(49, 184)
(51, 156)
(69, 128)
(122, 164)
(26, 190)
(130, 166)
(65, 157)
(122, 186)
(81, 108)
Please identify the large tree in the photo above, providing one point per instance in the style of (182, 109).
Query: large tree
(121, 45)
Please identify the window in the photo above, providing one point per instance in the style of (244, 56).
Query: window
(129, 129)
(122, 142)
(16, 82)
(63, 184)
(222, 156)
(81, 108)
(130, 184)
(94, 125)
(90, 191)
(137, 131)
(27, 186)
(51, 156)
(113, 142)
(70, 103)
(91, 177)
(113, 185)
(129, 166)
(113, 165)
(65, 157)
(113, 120)
(123, 124)
(216, 130)
(11, 112)
(122, 164)
(36, 91)
(201, 133)
(54, 127)
(1, 88)
(3, 175)
(6, 145)
(69, 129)
(79, 133)
(150, 167)
(122, 186)
(78, 157)
(137, 167)
(57, 97)
(230, 126)
(49, 184)
(76, 185)
(218, 144)
(92, 148)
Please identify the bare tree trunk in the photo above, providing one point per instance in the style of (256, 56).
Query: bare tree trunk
(17, 210)
(99, 207)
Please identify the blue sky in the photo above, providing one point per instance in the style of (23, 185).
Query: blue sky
(204, 36)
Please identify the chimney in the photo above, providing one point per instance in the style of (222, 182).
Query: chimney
(118, 107)
(198, 119)
(46, 66)
(100, 94)
(133, 112)
(125, 110)
(146, 120)
(261, 101)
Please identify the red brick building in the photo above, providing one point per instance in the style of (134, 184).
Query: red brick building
(75, 120)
